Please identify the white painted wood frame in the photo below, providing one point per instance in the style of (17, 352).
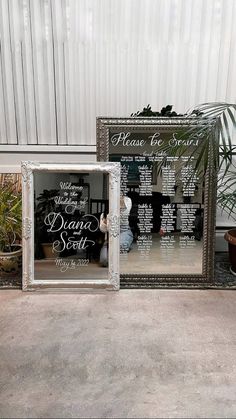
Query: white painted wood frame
(28, 170)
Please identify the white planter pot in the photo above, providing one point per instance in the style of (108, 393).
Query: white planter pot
(11, 262)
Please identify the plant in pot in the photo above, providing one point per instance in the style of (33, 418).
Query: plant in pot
(44, 240)
(224, 115)
(227, 201)
(10, 231)
(225, 118)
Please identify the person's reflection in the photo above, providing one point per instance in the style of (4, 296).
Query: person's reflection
(198, 224)
(126, 235)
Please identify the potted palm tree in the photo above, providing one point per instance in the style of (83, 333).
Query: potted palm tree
(224, 114)
(227, 201)
(10, 231)
(225, 118)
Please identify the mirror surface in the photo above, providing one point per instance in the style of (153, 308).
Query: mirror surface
(162, 200)
(67, 235)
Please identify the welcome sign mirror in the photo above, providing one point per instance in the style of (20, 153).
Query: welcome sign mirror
(168, 191)
(63, 205)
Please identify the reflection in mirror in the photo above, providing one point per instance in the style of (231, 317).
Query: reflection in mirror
(68, 240)
(162, 201)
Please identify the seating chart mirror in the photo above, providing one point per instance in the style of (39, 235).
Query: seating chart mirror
(168, 197)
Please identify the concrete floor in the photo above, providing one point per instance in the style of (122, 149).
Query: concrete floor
(130, 354)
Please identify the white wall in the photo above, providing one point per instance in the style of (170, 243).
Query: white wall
(62, 63)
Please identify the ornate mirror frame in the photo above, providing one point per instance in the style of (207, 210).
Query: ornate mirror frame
(169, 125)
(29, 168)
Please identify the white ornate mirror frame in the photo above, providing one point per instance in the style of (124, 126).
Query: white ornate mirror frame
(29, 168)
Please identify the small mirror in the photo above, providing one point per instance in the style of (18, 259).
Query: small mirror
(68, 207)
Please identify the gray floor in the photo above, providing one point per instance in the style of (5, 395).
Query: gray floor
(143, 353)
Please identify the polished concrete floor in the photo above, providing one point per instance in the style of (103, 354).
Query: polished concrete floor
(127, 354)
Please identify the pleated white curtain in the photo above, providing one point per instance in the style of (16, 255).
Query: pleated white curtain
(64, 62)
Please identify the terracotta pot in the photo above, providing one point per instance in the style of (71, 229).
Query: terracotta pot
(11, 262)
(48, 252)
(230, 237)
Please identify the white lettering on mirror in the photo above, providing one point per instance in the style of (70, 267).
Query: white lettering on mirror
(53, 218)
(122, 138)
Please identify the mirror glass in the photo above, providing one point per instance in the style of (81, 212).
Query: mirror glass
(162, 200)
(67, 235)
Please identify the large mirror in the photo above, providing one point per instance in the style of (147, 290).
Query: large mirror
(66, 210)
(167, 198)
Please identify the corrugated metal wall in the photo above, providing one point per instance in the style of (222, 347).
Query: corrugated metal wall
(64, 62)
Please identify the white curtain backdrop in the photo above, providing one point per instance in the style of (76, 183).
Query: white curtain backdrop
(64, 62)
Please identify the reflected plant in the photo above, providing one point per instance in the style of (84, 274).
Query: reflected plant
(46, 204)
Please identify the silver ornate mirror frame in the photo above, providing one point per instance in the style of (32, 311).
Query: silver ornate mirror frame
(206, 279)
(28, 169)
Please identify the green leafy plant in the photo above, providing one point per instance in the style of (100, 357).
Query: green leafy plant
(224, 115)
(10, 217)
(165, 111)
